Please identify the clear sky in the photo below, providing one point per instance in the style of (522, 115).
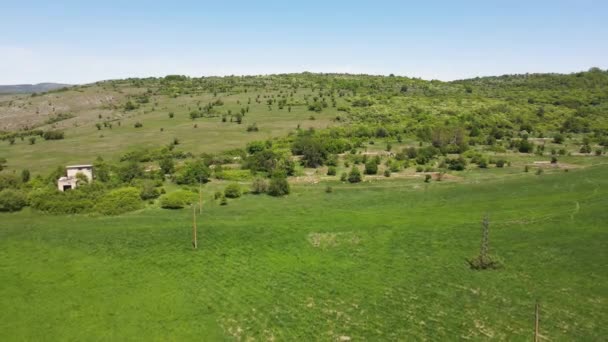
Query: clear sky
(85, 41)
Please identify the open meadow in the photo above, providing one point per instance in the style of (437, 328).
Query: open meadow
(359, 263)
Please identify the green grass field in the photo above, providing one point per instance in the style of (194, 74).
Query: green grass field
(361, 262)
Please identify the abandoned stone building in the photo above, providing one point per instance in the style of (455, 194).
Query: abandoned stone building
(70, 181)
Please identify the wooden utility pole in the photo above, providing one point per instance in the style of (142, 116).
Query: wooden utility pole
(536, 321)
(194, 239)
(485, 239)
(200, 196)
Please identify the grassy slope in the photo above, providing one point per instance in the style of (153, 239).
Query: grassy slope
(394, 270)
(84, 142)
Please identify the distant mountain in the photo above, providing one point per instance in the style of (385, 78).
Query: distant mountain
(30, 88)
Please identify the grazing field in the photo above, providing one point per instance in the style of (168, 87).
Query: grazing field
(358, 263)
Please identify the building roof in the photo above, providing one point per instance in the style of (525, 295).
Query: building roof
(79, 166)
(63, 179)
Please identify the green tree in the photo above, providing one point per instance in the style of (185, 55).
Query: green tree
(119, 201)
(166, 165)
(259, 185)
(232, 190)
(278, 185)
(193, 172)
(101, 170)
(355, 175)
(148, 190)
(129, 171)
(312, 150)
(12, 200)
(558, 138)
(25, 175)
(371, 167)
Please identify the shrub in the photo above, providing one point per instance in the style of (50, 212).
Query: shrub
(387, 173)
(119, 201)
(525, 146)
(343, 176)
(138, 124)
(177, 199)
(8, 181)
(52, 135)
(585, 149)
(166, 165)
(130, 105)
(75, 201)
(130, 171)
(193, 172)
(25, 175)
(500, 163)
(148, 191)
(558, 138)
(12, 200)
(232, 190)
(278, 186)
(224, 201)
(355, 175)
(329, 189)
(371, 167)
(217, 195)
(553, 160)
(331, 171)
(259, 185)
(427, 178)
(457, 164)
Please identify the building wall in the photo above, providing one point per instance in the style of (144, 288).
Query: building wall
(85, 171)
(72, 182)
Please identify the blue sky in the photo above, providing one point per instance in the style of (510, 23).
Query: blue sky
(86, 41)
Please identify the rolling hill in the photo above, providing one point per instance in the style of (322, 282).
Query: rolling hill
(30, 88)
